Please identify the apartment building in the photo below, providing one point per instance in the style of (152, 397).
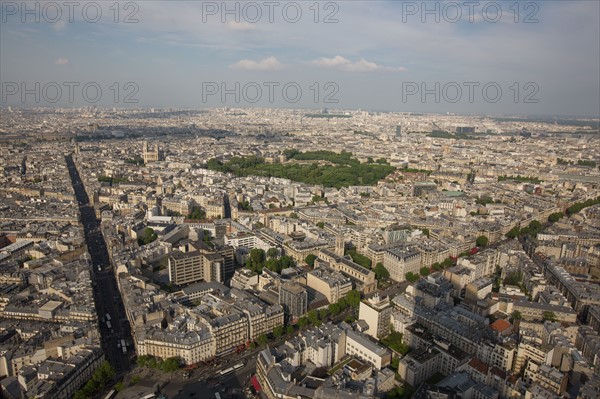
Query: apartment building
(401, 260)
(376, 312)
(294, 299)
(332, 284)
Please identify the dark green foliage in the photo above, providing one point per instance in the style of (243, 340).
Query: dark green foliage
(103, 374)
(514, 278)
(482, 241)
(323, 313)
(353, 298)
(424, 271)
(520, 178)
(410, 276)
(272, 253)
(381, 273)
(334, 309)
(591, 164)
(484, 200)
(245, 206)
(394, 342)
(310, 260)
(136, 160)
(147, 236)
(197, 214)
(513, 233)
(549, 316)
(345, 171)
(360, 259)
(555, 217)
(169, 365)
(262, 340)
(278, 331)
(575, 208)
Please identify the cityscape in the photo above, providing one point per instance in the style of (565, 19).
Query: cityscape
(319, 246)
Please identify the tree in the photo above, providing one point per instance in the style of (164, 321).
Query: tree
(256, 260)
(323, 313)
(302, 322)
(334, 309)
(171, 364)
(147, 236)
(278, 331)
(197, 214)
(313, 316)
(262, 339)
(381, 273)
(321, 225)
(436, 266)
(257, 255)
(395, 342)
(424, 271)
(516, 315)
(513, 233)
(481, 241)
(410, 276)
(289, 330)
(555, 217)
(343, 303)
(549, 316)
(272, 253)
(513, 278)
(425, 232)
(395, 362)
(310, 260)
(535, 225)
(353, 298)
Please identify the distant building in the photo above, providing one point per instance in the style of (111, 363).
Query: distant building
(149, 155)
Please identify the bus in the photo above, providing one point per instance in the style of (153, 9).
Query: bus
(108, 325)
(238, 366)
(226, 371)
(217, 396)
(111, 394)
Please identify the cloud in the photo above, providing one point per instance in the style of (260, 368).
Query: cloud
(241, 26)
(268, 64)
(61, 61)
(344, 64)
(59, 25)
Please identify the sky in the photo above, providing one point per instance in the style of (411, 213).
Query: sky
(505, 57)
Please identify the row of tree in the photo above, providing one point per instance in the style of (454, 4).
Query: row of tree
(101, 377)
(313, 317)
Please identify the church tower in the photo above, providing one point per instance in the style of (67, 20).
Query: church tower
(339, 245)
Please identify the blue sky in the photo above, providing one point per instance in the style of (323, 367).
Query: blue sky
(375, 51)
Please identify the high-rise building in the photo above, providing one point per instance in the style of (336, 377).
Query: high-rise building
(294, 299)
(376, 312)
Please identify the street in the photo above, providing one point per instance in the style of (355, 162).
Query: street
(106, 294)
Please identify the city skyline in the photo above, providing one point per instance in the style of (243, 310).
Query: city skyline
(174, 50)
